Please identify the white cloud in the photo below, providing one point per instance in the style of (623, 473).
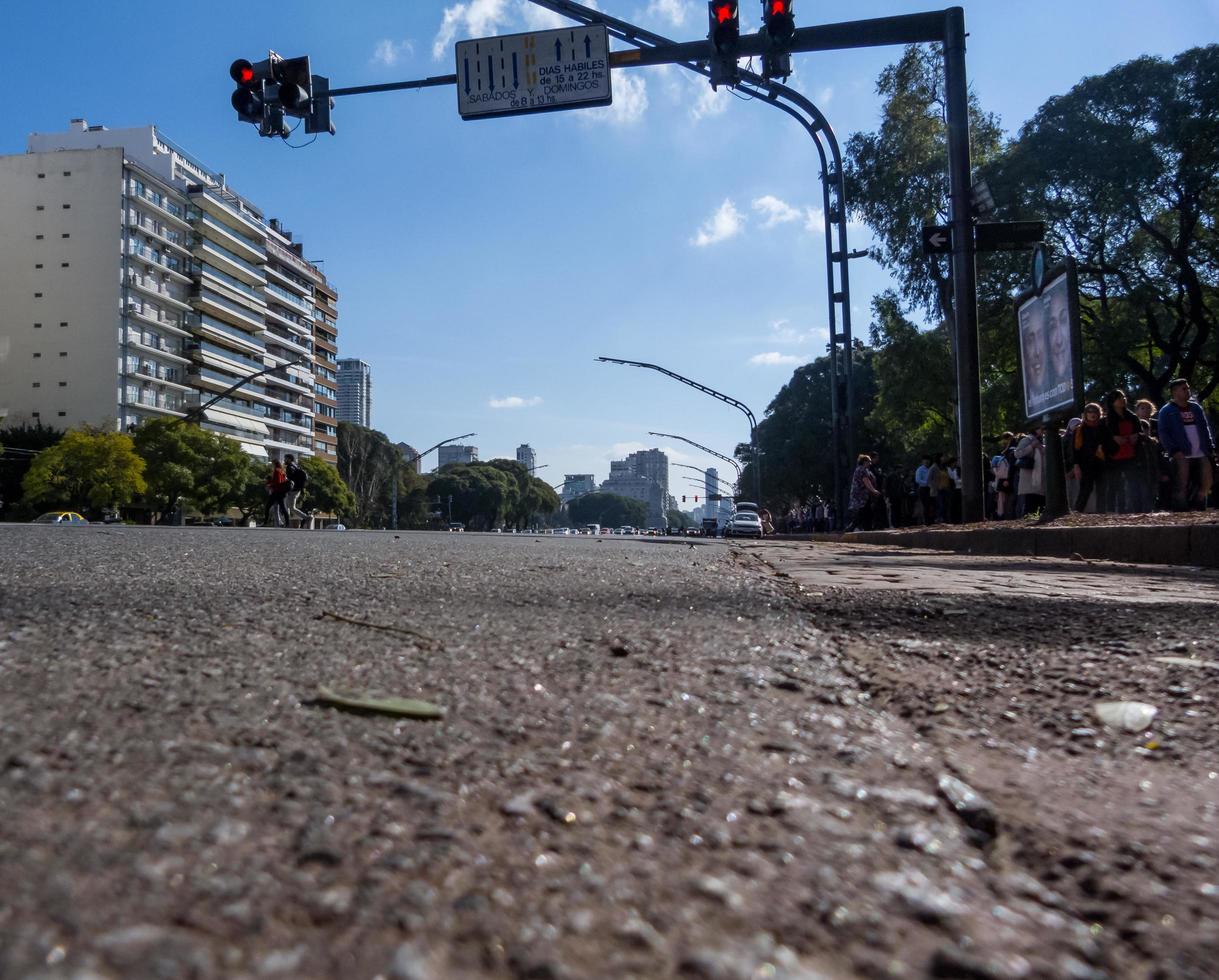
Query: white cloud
(775, 211)
(727, 222)
(389, 52)
(475, 18)
(710, 102)
(515, 401)
(824, 97)
(673, 11)
(775, 359)
(629, 105)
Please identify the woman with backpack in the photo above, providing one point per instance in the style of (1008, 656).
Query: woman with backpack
(1004, 466)
(278, 486)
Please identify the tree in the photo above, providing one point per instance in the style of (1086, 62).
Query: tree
(897, 177)
(326, 490)
(191, 464)
(87, 470)
(367, 464)
(482, 493)
(533, 496)
(608, 510)
(677, 518)
(22, 444)
(1125, 168)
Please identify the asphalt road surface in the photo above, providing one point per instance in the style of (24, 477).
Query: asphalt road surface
(657, 759)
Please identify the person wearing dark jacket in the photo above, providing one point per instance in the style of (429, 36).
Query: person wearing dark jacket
(1125, 487)
(1089, 454)
(278, 486)
(1185, 436)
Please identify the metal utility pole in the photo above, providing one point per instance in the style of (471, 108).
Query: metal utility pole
(728, 400)
(399, 459)
(709, 452)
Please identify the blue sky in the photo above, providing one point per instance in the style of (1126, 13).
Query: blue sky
(482, 266)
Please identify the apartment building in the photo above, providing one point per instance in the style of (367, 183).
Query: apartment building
(457, 454)
(355, 392)
(196, 292)
(643, 476)
(526, 456)
(576, 485)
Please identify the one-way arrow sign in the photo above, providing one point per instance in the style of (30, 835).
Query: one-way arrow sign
(937, 239)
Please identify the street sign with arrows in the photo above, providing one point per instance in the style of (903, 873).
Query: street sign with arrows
(541, 71)
(997, 236)
(937, 239)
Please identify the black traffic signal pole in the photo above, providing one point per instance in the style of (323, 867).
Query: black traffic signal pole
(945, 27)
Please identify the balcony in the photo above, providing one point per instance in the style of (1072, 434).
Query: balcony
(213, 253)
(204, 349)
(246, 225)
(206, 301)
(291, 299)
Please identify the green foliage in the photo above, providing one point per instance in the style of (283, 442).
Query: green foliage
(608, 510)
(86, 470)
(532, 497)
(369, 464)
(1125, 168)
(897, 177)
(483, 493)
(677, 518)
(326, 490)
(14, 464)
(206, 470)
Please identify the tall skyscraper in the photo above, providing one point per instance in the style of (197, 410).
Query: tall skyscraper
(457, 454)
(526, 456)
(711, 477)
(355, 392)
(197, 291)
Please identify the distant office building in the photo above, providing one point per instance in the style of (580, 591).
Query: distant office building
(642, 476)
(711, 481)
(355, 392)
(575, 484)
(457, 454)
(411, 455)
(527, 457)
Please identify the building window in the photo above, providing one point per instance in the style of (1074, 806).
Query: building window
(39, 237)
(38, 296)
(38, 353)
(63, 384)
(65, 235)
(67, 173)
(63, 265)
(37, 384)
(35, 414)
(39, 207)
(37, 265)
(67, 206)
(37, 326)
(63, 353)
(61, 414)
(62, 323)
(41, 176)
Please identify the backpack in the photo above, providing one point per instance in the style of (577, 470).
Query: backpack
(297, 476)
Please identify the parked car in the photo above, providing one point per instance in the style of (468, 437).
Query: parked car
(60, 517)
(457, 527)
(744, 524)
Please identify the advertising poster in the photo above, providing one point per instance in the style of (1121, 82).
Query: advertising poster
(1050, 353)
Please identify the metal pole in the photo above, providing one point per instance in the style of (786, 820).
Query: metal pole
(964, 273)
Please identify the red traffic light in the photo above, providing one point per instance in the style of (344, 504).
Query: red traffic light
(242, 72)
(722, 11)
(779, 19)
(779, 7)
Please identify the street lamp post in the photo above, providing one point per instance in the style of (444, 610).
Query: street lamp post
(720, 396)
(709, 452)
(399, 459)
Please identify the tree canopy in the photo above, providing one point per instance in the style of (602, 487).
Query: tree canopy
(87, 470)
(203, 469)
(608, 510)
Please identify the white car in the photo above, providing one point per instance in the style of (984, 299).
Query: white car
(744, 524)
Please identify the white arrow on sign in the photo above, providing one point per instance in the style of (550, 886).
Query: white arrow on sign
(938, 240)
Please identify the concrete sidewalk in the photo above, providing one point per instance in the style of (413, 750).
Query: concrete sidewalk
(1167, 543)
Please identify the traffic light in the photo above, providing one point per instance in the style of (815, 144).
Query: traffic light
(318, 119)
(683, 498)
(295, 85)
(725, 20)
(724, 32)
(256, 96)
(778, 19)
(779, 26)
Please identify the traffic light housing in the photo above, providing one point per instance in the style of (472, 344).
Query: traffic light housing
(778, 19)
(779, 27)
(256, 98)
(318, 119)
(295, 85)
(724, 33)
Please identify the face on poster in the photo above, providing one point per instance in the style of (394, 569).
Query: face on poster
(1047, 349)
